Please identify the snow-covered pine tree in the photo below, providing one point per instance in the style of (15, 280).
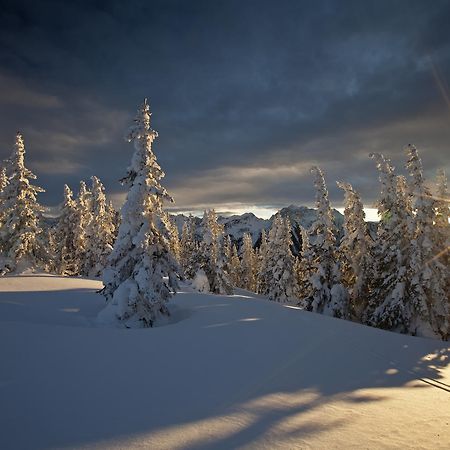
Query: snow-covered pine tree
(388, 303)
(189, 258)
(172, 235)
(64, 243)
(227, 248)
(355, 252)
(100, 229)
(212, 259)
(142, 274)
(303, 268)
(442, 205)
(82, 232)
(22, 239)
(234, 267)
(248, 264)
(428, 297)
(263, 277)
(278, 265)
(328, 295)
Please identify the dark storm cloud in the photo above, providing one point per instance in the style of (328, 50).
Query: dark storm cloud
(246, 95)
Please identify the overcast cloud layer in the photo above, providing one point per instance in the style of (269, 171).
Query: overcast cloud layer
(245, 95)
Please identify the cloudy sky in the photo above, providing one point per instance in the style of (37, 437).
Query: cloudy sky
(246, 95)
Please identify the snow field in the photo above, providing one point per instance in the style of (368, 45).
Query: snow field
(226, 372)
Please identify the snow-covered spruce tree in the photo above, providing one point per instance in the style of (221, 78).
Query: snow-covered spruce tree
(100, 228)
(388, 304)
(263, 277)
(172, 235)
(278, 265)
(303, 269)
(142, 274)
(234, 267)
(189, 258)
(355, 252)
(227, 248)
(442, 205)
(212, 259)
(248, 264)
(82, 232)
(328, 294)
(64, 243)
(22, 240)
(428, 297)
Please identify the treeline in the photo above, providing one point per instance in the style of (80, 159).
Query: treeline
(80, 241)
(399, 280)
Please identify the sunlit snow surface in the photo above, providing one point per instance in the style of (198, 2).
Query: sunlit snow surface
(226, 372)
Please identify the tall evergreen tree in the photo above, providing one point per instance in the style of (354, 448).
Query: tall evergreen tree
(189, 258)
(263, 277)
(277, 271)
(212, 258)
(234, 267)
(355, 252)
(328, 295)
(388, 304)
(100, 228)
(442, 205)
(303, 269)
(82, 232)
(142, 273)
(22, 239)
(429, 302)
(64, 243)
(172, 235)
(248, 264)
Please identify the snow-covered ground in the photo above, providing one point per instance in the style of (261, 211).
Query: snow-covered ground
(227, 372)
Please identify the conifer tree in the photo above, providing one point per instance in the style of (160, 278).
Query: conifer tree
(172, 235)
(248, 264)
(22, 239)
(263, 277)
(234, 268)
(303, 269)
(355, 252)
(212, 259)
(189, 258)
(141, 274)
(100, 228)
(328, 295)
(442, 205)
(82, 232)
(227, 248)
(277, 271)
(64, 243)
(388, 304)
(428, 298)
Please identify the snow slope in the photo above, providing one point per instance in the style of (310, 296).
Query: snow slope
(227, 372)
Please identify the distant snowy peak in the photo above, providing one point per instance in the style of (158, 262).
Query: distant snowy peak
(237, 225)
(305, 217)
